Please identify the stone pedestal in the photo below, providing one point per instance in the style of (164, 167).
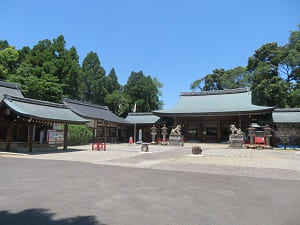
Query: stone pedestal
(236, 141)
(175, 139)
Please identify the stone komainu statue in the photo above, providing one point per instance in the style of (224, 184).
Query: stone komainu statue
(233, 129)
(176, 130)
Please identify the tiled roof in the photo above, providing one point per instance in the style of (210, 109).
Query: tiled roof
(10, 89)
(287, 115)
(219, 102)
(142, 118)
(41, 110)
(93, 111)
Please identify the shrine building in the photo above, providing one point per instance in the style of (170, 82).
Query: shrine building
(206, 116)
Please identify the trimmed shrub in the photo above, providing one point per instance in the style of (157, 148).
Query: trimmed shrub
(79, 135)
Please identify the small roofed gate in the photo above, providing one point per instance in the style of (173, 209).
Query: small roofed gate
(25, 122)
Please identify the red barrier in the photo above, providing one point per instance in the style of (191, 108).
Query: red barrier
(99, 146)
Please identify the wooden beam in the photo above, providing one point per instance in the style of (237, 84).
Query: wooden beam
(30, 135)
(8, 136)
(66, 136)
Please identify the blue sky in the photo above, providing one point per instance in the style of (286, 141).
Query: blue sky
(175, 41)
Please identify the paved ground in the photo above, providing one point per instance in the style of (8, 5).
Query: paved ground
(217, 159)
(53, 192)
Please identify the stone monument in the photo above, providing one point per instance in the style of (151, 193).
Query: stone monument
(164, 133)
(236, 138)
(153, 134)
(175, 137)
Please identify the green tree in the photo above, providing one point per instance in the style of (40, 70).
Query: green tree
(93, 77)
(119, 102)
(9, 57)
(221, 79)
(267, 87)
(111, 82)
(143, 91)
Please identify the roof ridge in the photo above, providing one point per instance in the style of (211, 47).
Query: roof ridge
(9, 85)
(287, 110)
(33, 101)
(216, 92)
(68, 100)
(140, 114)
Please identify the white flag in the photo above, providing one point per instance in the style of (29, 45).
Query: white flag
(134, 108)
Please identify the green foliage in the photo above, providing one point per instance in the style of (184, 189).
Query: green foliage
(223, 79)
(118, 102)
(93, 79)
(79, 135)
(8, 61)
(143, 91)
(49, 71)
(273, 73)
(111, 82)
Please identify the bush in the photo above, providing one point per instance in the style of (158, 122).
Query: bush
(79, 135)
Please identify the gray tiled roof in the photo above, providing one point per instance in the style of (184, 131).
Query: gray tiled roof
(142, 118)
(10, 89)
(41, 110)
(215, 102)
(93, 111)
(288, 115)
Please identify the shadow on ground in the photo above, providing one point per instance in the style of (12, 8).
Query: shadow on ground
(41, 152)
(43, 217)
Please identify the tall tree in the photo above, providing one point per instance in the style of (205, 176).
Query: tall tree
(267, 87)
(93, 77)
(143, 91)
(111, 81)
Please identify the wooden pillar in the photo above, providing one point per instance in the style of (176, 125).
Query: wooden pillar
(200, 132)
(117, 133)
(66, 136)
(30, 135)
(8, 136)
(219, 132)
(105, 132)
(240, 122)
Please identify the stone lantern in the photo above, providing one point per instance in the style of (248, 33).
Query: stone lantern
(268, 135)
(153, 134)
(251, 134)
(164, 132)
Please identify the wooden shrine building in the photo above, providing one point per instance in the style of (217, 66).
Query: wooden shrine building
(107, 126)
(24, 122)
(206, 116)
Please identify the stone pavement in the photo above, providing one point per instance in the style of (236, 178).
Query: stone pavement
(216, 159)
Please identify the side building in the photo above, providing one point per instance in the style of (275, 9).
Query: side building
(24, 122)
(107, 127)
(286, 126)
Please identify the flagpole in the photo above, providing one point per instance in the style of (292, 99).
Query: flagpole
(134, 110)
(134, 130)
